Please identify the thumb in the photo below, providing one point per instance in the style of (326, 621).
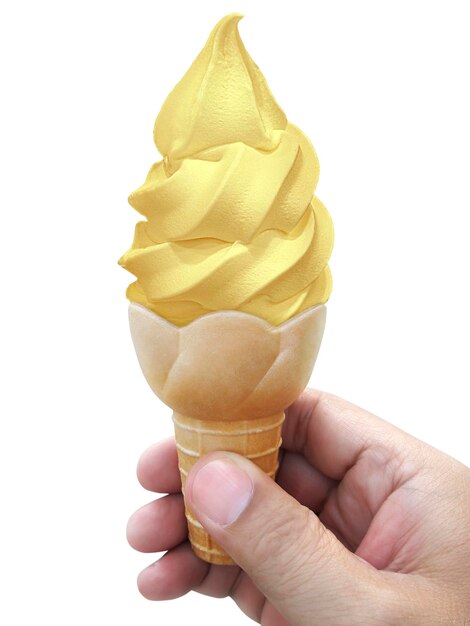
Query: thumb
(305, 572)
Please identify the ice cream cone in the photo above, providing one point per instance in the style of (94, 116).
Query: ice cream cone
(228, 376)
(256, 439)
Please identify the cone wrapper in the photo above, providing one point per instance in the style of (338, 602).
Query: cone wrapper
(228, 376)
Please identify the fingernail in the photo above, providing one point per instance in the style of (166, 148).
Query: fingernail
(221, 491)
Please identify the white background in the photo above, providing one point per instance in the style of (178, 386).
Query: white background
(382, 90)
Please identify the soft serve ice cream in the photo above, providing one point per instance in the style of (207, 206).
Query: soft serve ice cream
(231, 219)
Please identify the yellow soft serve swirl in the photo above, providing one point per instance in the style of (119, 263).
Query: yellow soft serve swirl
(231, 219)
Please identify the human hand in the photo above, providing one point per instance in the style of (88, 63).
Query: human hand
(365, 526)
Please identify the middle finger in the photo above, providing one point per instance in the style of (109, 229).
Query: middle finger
(159, 525)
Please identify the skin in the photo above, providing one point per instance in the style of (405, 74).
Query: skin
(365, 526)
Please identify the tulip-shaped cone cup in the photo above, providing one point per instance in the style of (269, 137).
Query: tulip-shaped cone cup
(228, 376)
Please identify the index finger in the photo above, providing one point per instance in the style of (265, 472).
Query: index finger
(332, 434)
(157, 469)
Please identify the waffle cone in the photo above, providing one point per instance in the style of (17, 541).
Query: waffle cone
(257, 440)
(228, 377)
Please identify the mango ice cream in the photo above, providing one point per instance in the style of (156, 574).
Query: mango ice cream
(231, 222)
